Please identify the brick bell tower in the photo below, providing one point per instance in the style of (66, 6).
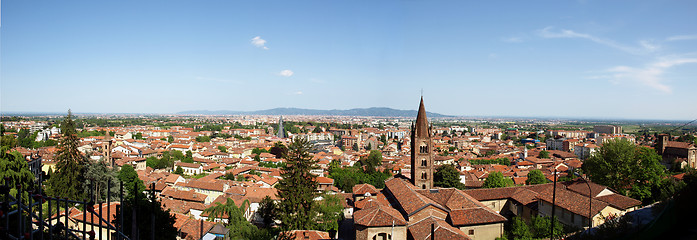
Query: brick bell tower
(422, 154)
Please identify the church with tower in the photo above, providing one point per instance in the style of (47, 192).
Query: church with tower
(413, 208)
(422, 154)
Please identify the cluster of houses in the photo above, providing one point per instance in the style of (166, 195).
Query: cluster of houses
(408, 207)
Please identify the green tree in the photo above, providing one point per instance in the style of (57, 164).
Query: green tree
(98, 176)
(14, 171)
(24, 138)
(447, 176)
(535, 177)
(329, 212)
(543, 154)
(222, 148)
(179, 170)
(259, 151)
(497, 180)
(138, 136)
(355, 147)
(520, 230)
(203, 139)
(298, 187)
(170, 139)
(238, 225)
(625, 167)
(240, 178)
(8, 141)
(372, 161)
(278, 149)
(267, 211)
(67, 180)
(131, 183)
(540, 226)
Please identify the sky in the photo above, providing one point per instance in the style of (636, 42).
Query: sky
(586, 59)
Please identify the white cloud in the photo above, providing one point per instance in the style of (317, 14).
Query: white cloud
(682, 37)
(551, 32)
(649, 45)
(257, 41)
(298, 93)
(286, 73)
(650, 75)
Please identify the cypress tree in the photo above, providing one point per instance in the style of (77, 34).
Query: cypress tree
(68, 178)
(298, 188)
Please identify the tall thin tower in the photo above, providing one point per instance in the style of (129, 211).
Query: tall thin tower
(421, 150)
(106, 147)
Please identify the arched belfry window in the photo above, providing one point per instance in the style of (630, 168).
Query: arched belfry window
(423, 175)
(423, 162)
(423, 149)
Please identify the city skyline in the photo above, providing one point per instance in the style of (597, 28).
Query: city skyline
(587, 59)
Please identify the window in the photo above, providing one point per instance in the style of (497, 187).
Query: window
(423, 162)
(382, 236)
(471, 232)
(423, 149)
(423, 175)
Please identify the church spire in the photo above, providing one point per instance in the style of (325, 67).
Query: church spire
(422, 121)
(422, 154)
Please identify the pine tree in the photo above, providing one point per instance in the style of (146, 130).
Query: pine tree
(68, 178)
(298, 188)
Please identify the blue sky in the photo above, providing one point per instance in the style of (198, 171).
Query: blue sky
(596, 59)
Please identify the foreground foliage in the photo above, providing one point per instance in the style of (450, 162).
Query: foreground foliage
(632, 170)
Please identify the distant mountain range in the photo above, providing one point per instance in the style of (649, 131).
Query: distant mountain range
(365, 112)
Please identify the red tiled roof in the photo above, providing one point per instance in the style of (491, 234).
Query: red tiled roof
(361, 189)
(473, 216)
(309, 235)
(378, 216)
(366, 203)
(409, 200)
(442, 230)
(572, 201)
(619, 201)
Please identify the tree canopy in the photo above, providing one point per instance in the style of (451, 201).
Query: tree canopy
(625, 167)
(131, 183)
(447, 176)
(239, 227)
(98, 176)
(15, 169)
(535, 177)
(497, 180)
(329, 212)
